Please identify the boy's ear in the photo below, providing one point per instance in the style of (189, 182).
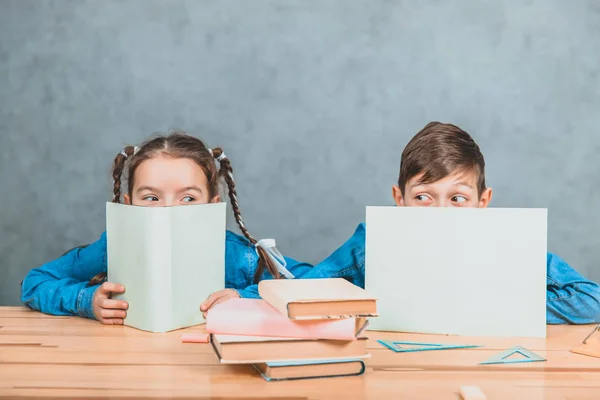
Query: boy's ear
(397, 195)
(126, 199)
(485, 198)
(215, 199)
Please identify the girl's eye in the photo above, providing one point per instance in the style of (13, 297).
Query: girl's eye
(150, 198)
(422, 197)
(188, 199)
(458, 199)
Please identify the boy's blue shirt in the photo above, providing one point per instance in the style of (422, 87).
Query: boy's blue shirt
(570, 298)
(60, 286)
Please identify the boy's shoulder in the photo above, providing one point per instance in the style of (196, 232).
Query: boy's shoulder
(560, 273)
(554, 261)
(360, 232)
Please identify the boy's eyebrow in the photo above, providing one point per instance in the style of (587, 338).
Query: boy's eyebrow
(463, 183)
(457, 183)
(415, 184)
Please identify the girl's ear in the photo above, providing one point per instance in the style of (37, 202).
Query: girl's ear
(215, 199)
(126, 199)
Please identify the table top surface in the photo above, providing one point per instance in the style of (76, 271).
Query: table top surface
(50, 356)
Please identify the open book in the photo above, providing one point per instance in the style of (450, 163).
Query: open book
(169, 259)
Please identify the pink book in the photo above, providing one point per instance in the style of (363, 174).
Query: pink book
(255, 317)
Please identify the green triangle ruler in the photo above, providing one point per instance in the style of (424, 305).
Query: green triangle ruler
(417, 346)
(501, 358)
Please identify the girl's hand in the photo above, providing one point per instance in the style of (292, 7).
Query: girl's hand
(216, 298)
(107, 310)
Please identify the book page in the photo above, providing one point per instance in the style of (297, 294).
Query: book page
(139, 257)
(198, 259)
(463, 271)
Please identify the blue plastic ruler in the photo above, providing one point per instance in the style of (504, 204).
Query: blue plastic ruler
(417, 346)
(501, 358)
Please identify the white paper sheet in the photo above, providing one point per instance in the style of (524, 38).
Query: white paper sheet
(462, 271)
(169, 259)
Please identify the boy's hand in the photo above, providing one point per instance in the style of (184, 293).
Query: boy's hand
(107, 310)
(216, 298)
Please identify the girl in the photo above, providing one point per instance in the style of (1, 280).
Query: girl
(172, 170)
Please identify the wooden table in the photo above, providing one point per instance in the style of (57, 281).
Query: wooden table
(45, 356)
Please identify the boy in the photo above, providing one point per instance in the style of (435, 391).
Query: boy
(442, 166)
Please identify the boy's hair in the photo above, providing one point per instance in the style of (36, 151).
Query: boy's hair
(181, 145)
(439, 150)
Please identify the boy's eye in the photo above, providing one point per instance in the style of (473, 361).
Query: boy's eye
(421, 197)
(188, 199)
(150, 198)
(458, 199)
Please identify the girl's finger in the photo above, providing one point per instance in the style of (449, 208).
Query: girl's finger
(209, 302)
(222, 299)
(111, 321)
(112, 313)
(114, 304)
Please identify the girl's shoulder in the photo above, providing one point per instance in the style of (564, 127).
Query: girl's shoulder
(232, 238)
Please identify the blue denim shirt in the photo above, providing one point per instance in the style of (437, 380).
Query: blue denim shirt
(60, 286)
(570, 298)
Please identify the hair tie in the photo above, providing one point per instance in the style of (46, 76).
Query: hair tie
(220, 158)
(269, 246)
(135, 150)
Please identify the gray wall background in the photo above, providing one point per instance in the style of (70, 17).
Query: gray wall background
(312, 100)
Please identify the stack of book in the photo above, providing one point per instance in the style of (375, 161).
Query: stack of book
(302, 328)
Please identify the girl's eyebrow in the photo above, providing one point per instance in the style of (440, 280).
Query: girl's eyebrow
(148, 188)
(190, 188)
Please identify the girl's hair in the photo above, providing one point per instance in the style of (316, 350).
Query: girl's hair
(181, 145)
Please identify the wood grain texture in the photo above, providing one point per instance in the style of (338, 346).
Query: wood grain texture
(61, 357)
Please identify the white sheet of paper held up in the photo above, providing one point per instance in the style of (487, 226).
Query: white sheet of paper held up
(460, 271)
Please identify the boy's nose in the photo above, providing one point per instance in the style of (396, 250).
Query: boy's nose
(441, 203)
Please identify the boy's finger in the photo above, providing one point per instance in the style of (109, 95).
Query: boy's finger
(117, 304)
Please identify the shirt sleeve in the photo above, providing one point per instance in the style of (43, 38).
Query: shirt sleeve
(348, 262)
(570, 298)
(60, 286)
